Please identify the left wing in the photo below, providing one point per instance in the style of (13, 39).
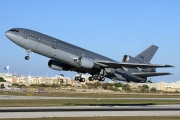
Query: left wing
(109, 64)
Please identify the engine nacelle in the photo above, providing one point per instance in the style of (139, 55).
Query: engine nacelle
(57, 65)
(129, 59)
(85, 62)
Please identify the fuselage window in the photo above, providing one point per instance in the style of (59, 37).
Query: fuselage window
(32, 37)
(14, 30)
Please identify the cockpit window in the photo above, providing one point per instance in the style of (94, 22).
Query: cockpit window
(14, 30)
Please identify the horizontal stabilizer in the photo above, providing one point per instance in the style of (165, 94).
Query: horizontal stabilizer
(150, 74)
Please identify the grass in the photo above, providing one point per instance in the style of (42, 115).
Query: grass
(98, 101)
(107, 118)
(96, 95)
(92, 102)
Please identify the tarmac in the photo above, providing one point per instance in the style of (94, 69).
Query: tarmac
(87, 111)
(10, 97)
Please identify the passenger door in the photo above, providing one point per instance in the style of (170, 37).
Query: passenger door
(54, 49)
(54, 44)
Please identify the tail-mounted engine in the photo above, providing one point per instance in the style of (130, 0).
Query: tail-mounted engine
(129, 59)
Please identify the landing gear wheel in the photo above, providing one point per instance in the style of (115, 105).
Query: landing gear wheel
(27, 58)
(91, 78)
(95, 77)
(79, 78)
(102, 79)
(82, 80)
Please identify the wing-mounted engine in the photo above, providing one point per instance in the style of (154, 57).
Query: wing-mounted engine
(85, 62)
(129, 59)
(57, 65)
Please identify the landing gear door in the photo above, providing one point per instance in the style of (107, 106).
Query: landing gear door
(25, 41)
(25, 34)
(54, 44)
(54, 49)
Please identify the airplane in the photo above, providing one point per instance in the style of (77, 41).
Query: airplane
(68, 57)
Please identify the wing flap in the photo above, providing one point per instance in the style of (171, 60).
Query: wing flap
(150, 74)
(108, 64)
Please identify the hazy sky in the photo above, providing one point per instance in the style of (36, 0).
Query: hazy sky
(112, 28)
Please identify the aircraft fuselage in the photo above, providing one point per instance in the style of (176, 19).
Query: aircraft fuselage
(65, 56)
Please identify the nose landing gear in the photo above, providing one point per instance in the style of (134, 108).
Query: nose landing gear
(26, 57)
(28, 52)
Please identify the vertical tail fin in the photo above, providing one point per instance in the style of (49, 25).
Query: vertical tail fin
(147, 54)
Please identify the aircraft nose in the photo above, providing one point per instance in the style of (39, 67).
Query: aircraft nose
(8, 34)
(13, 36)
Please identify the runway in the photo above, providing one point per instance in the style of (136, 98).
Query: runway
(89, 111)
(10, 97)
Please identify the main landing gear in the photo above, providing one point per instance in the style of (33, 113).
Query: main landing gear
(80, 79)
(28, 52)
(91, 78)
(96, 77)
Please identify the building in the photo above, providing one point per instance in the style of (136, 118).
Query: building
(28, 80)
(7, 77)
(162, 86)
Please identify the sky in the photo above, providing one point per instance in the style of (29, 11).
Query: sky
(112, 28)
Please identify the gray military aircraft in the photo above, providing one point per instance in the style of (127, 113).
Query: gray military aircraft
(65, 56)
